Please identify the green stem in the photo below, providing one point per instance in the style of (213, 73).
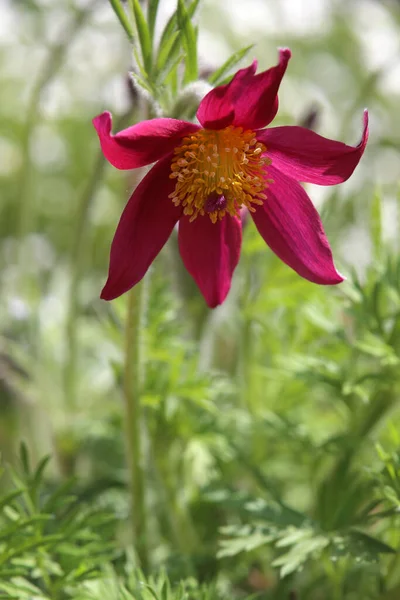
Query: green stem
(335, 573)
(181, 529)
(245, 365)
(122, 17)
(134, 418)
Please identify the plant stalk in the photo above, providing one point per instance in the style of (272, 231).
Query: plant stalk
(133, 378)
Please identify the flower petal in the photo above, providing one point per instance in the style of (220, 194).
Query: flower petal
(255, 97)
(307, 156)
(140, 144)
(291, 226)
(210, 252)
(216, 110)
(145, 225)
(249, 101)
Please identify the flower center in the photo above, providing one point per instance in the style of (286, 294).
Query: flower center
(218, 172)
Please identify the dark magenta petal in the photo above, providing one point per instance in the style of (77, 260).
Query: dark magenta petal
(210, 252)
(249, 101)
(291, 226)
(307, 156)
(255, 97)
(140, 144)
(216, 110)
(144, 227)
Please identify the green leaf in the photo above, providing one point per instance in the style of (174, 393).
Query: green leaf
(398, 207)
(306, 545)
(144, 35)
(170, 47)
(376, 223)
(374, 346)
(24, 457)
(13, 572)
(23, 588)
(168, 54)
(30, 545)
(60, 497)
(22, 526)
(6, 500)
(141, 84)
(373, 545)
(172, 24)
(152, 15)
(232, 61)
(189, 42)
(243, 539)
(37, 477)
(169, 29)
(122, 17)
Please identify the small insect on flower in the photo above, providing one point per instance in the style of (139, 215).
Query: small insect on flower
(205, 174)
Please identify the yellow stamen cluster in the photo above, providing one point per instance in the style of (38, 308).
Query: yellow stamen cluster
(227, 164)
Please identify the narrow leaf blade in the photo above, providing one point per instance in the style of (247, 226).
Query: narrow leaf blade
(189, 42)
(144, 35)
(152, 16)
(218, 75)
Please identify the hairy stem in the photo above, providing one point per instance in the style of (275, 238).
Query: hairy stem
(133, 378)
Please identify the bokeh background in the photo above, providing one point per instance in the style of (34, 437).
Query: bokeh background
(256, 401)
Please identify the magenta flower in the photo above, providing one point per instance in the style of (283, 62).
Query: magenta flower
(203, 176)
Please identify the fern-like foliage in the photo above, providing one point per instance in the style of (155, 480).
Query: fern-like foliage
(50, 541)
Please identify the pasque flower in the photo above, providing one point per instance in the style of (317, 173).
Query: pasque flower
(205, 174)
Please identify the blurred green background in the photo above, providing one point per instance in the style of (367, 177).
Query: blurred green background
(272, 440)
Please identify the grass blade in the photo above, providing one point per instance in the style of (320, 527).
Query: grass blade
(171, 38)
(152, 16)
(189, 42)
(122, 18)
(218, 75)
(144, 35)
